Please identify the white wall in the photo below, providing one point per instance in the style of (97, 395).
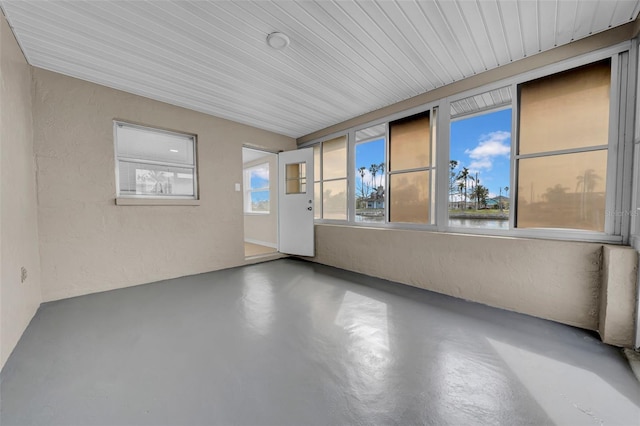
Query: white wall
(18, 205)
(89, 244)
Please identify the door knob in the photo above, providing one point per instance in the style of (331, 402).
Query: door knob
(309, 208)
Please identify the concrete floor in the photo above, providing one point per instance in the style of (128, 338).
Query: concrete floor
(294, 343)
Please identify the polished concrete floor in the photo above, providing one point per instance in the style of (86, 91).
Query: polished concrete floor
(293, 343)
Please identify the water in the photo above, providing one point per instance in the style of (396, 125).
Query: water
(457, 222)
(372, 219)
(480, 223)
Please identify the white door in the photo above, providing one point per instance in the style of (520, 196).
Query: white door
(295, 202)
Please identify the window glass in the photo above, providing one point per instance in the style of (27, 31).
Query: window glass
(563, 191)
(154, 163)
(317, 165)
(370, 174)
(566, 110)
(317, 200)
(317, 187)
(334, 158)
(480, 170)
(410, 145)
(334, 199)
(257, 193)
(410, 169)
(409, 197)
(330, 184)
(154, 145)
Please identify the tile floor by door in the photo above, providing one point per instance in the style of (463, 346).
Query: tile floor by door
(294, 343)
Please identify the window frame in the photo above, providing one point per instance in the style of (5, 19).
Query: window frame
(431, 169)
(614, 159)
(351, 173)
(152, 199)
(618, 185)
(248, 190)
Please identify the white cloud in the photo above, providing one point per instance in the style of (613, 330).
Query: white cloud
(368, 178)
(494, 144)
(261, 173)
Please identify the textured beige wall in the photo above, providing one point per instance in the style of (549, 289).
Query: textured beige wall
(554, 280)
(264, 227)
(18, 205)
(618, 295)
(88, 244)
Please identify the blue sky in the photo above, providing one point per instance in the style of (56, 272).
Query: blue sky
(369, 153)
(482, 144)
(260, 179)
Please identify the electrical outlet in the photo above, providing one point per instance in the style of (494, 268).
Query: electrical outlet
(23, 274)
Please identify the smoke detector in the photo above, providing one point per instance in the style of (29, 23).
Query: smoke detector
(278, 40)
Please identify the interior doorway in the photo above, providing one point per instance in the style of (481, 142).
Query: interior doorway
(260, 202)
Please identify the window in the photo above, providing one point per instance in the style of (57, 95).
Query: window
(370, 176)
(480, 160)
(330, 178)
(410, 169)
(256, 189)
(153, 163)
(563, 148)
(296, 178)
(529, 156)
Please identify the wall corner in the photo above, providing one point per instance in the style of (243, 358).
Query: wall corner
(618, 296)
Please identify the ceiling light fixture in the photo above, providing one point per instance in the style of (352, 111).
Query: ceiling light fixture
(173, 150)
(278, 40)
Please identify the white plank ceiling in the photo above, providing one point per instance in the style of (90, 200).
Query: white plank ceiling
(346, 58)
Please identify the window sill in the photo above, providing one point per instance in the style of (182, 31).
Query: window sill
(125, 201)
(531, 233)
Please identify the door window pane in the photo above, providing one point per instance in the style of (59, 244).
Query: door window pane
(566, 110)
(409, 144)
(409, 197)
(296, 178)
(563, 191)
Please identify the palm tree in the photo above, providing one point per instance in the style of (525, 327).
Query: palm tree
(158, 179)
(362, 171)
(463, 176)
(452, 177)
(506, 191)
(480, 194)
(588, 182)
(381, 170)
(460, 187)
(374, 170)
(555, 194)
